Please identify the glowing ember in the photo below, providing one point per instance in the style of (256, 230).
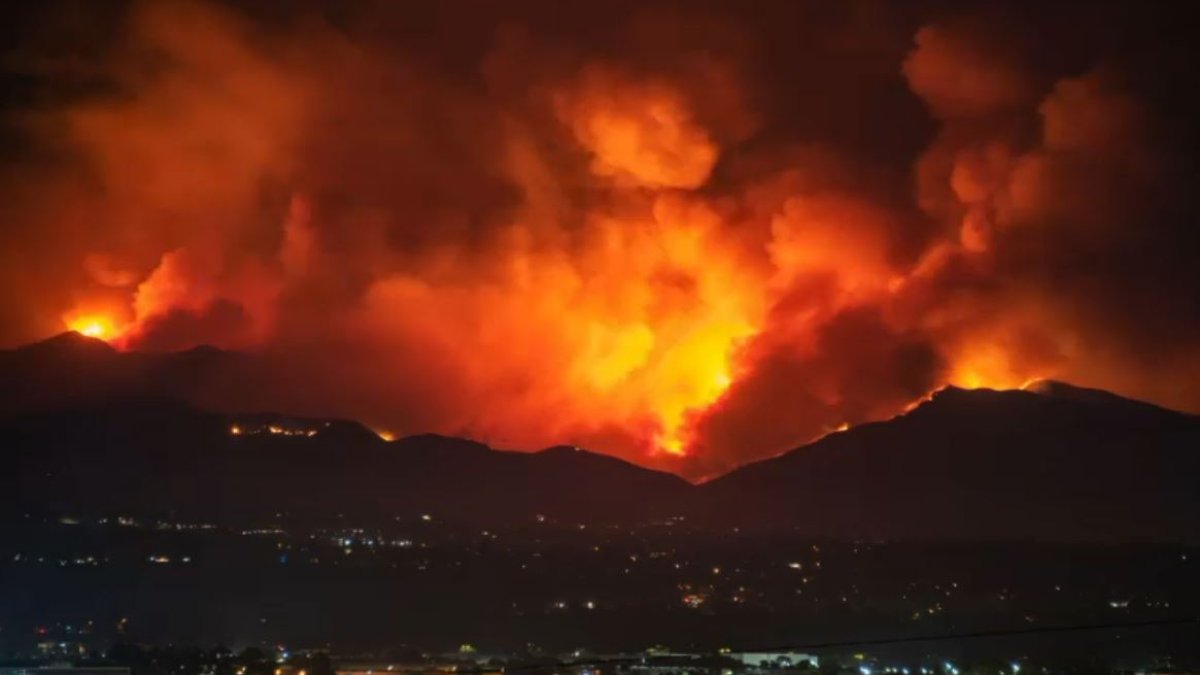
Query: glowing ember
(270, 429)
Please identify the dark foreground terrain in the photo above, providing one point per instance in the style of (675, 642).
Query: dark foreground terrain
(425, 586)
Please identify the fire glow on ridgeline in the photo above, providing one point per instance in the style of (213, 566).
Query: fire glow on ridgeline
(687, 239)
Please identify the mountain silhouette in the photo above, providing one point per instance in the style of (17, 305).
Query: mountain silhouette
(159, 456)
(71, 367)
(85, 427)
(1057, 462)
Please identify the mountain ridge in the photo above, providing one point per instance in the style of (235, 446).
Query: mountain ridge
(1006, 461)
(1053, 461)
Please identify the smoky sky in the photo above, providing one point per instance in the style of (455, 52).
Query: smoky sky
(690, 234)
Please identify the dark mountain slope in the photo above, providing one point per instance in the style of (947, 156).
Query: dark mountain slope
(83, 426)
(1065, 463)
(140, 455)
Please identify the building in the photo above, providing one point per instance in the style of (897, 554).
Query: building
(774, 659)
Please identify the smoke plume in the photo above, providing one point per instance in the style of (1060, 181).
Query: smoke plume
(687, 234)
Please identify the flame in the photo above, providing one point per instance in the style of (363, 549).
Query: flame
(673, 414)
(989, 367)
(99, 326)
(625, 250)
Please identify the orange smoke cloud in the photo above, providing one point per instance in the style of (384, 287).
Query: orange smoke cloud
(691, 243)
(640, 132)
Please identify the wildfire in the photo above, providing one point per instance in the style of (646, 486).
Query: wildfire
(635, 252)
(99, 326)
(674, 413)
(989, 367)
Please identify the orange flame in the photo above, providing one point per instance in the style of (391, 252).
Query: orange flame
(99, 326)
(612, 250)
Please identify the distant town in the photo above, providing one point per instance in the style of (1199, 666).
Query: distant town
(415, 594)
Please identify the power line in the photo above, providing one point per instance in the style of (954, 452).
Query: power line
(933, 637)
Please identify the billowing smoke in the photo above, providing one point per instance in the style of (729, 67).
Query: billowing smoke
(688, 234)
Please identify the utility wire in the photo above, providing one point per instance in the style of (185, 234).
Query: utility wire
(933, 637)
